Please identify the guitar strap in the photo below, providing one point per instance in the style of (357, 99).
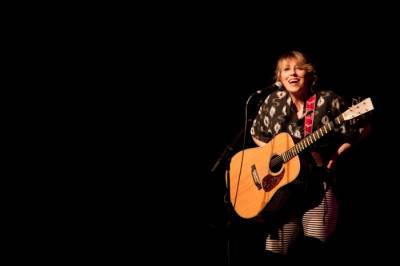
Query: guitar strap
(309, 118)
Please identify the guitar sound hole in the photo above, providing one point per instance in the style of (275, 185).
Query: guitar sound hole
(275, 164)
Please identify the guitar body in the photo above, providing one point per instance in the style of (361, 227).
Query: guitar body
(253, 183)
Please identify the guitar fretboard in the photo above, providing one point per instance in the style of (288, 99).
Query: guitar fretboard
(310, 139)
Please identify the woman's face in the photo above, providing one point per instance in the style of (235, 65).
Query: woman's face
(293, 76)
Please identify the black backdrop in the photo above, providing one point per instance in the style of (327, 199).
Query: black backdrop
(148, 103)
(178, 96)
(226, 73)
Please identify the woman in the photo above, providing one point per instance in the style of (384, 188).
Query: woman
(307, 207)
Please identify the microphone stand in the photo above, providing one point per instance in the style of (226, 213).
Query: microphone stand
(224, 159)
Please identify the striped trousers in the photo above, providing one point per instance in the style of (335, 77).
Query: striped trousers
(318, 222)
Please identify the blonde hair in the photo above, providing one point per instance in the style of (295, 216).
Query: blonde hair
(302, 60)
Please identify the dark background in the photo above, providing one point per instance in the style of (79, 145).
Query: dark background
(220, 72)
(173, 89)
(142, 102)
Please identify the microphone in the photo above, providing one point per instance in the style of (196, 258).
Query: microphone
(276, 86)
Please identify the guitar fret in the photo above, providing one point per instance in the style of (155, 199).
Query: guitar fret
(307, 141)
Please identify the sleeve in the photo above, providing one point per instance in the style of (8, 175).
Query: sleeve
(348, 130)
(359, 123)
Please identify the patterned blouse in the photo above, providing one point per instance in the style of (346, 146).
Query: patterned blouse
(277, 114)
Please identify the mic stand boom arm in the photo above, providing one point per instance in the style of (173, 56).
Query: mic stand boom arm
(227, 151)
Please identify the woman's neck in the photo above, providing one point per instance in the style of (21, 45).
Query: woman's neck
(299, 107)
(299, 100)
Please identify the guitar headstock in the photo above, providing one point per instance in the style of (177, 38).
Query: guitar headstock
(358, 109)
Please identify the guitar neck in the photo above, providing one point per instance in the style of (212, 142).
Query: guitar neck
(303, 144)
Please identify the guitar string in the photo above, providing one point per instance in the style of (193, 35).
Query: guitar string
(292, 152)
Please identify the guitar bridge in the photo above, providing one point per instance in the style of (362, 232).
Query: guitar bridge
(255, 176)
